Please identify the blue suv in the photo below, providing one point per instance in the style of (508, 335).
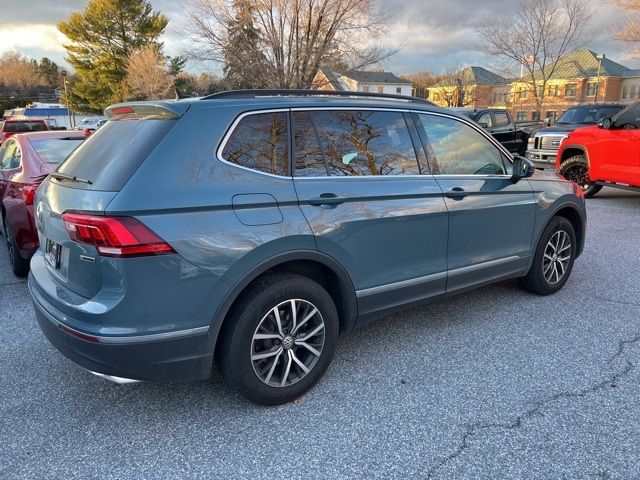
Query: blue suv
(249, 228)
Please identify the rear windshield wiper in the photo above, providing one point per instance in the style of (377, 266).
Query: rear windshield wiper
(64, 176)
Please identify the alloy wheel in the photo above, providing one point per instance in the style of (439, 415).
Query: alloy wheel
(287, 343)
(579, 174)
(556, 258)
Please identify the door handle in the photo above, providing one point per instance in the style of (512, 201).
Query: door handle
(326, 200)
(456, 193)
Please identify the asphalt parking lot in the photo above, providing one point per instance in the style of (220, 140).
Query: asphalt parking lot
(494, 384)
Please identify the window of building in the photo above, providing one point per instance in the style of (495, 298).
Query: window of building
(591, 89)
(634, 91)
(259, 142)
(353, 143)
(522, 94)
(458, 149)
(521, 116)
(570, 90)
(539, 91)
(624, 92)
(436, 96)
(380, 89)
(553, 91)
(551, 114)
(535, 116)
(366, 89)
(399, 90)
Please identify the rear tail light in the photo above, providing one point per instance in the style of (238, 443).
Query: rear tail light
(115, 236)
(29, 194)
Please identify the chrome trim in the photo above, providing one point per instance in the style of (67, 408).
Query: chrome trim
(483, 265)
(114, 379)
(468, 122)
(125, 339)
(404, 283)
(436, 276)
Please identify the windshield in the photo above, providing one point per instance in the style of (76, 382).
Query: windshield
(588, 115)
(19, 127)
(54, 150)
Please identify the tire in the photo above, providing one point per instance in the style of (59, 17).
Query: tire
(541, 279)
(268, 380)
(576, 169)
(19, 265)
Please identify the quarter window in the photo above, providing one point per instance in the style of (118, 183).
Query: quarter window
(501, 119)
(457, 149)
(259, 142)
(353, 143)
(485, 120)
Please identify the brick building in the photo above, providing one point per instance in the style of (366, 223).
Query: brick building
(470, 87)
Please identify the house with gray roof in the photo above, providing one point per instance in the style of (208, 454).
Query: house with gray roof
(371, 81)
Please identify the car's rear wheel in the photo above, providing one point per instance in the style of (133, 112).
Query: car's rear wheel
(553, 260)
(19, 265)
(279, 340)
(576, 169)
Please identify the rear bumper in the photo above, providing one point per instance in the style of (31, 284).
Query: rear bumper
(168, 357)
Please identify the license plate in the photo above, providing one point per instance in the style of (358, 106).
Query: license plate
(52, 252)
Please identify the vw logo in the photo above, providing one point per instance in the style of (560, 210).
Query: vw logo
(287, 343)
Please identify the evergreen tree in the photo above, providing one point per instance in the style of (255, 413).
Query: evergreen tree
(243, 60)
(102, 37)
(50, 72)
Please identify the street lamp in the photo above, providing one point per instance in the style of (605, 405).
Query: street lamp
(66, 96)
(600, 57)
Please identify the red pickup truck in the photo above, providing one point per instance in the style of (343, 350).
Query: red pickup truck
(9, 128)
(606, 154)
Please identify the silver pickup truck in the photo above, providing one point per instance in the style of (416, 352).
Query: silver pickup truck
(543, 145)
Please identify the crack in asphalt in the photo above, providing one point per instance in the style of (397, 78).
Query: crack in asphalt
(477, 427)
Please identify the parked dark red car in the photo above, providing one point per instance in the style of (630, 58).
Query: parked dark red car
(25, 161)
(8, 128)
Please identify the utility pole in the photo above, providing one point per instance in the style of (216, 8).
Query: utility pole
(66, 97)
(600, 57)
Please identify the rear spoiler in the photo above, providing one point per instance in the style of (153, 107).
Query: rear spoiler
(147, 110)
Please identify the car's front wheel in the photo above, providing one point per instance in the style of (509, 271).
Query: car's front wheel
(576, 169)
(553, 258)
(279, 339)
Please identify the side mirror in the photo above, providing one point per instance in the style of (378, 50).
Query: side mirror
(522, 168)
(483, 124)
(605, 123)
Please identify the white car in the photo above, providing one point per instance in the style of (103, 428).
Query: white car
(91, 123)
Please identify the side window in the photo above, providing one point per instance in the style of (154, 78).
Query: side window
(629, 118)
(356, 143)
(16, 159)
(8, 150)
(260, 142)
(457, 149)
(484, 120)
(501, 119)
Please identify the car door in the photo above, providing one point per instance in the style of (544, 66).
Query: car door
(491, 219)
(359, 184)
(503, 131)
(619, 149)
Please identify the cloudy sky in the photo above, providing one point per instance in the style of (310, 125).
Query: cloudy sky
(432, 34)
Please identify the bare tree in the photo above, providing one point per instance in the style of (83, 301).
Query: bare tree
(534, 39)
(630, 32)
(294, 38)
(16, 70)
(421, 81)
(148, 77)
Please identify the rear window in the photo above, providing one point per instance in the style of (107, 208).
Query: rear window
(110, 156)
(19, 127)
(54, 150)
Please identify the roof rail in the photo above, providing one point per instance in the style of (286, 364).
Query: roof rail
(283, 92)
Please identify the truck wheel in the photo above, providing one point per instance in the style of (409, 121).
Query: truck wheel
(576, 169)
(553, 260)
(279, 339)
